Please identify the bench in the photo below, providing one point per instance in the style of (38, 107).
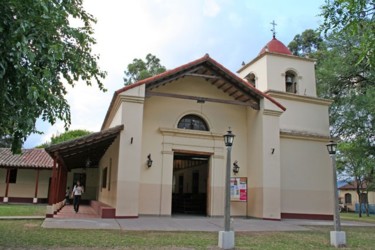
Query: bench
(103, 210)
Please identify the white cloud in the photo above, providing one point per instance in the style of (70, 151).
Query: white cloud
(176, 32)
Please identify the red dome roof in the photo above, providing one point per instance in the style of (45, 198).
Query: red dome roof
(275, 46)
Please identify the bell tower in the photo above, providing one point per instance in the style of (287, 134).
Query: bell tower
(276, 69)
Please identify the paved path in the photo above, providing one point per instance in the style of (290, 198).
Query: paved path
(86, 218)
(150, 223)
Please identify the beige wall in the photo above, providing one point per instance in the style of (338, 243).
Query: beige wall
(303, 114)
(161, 137)
(270, 72)
(355, 198)
(306, 177)
(25, 183)
(108, 195)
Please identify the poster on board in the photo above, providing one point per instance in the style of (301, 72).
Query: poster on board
(238, 189)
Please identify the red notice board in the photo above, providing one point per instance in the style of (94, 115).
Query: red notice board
(238, 189)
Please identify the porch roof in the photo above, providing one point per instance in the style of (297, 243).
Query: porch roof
(85, 151)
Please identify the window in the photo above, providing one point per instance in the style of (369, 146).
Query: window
(13, 175)
(104, 178)
(193, 122)
(348, 199)
(290, 82)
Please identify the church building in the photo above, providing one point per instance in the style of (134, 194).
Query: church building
(161, 150)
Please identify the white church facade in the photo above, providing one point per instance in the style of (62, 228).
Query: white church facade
(161, 150)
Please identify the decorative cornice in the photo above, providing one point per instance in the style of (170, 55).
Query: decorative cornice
(191, 133)
(272, 112)
(300, 98)
(303, 135)
(134, 99)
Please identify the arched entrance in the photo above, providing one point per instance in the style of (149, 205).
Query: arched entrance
(189, 184)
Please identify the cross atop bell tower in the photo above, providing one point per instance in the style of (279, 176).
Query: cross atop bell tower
(273, 28)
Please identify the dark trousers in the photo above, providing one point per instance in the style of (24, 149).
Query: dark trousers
(77, 199)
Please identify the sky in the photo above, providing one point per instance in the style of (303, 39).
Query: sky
(177, 32)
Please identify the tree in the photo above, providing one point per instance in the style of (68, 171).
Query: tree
(40, 53)
(139, 69)
(67, 136)
(351, 87)
(349, 82)
(355, 17)
(5, 142)
(306, 44)
(358, 167)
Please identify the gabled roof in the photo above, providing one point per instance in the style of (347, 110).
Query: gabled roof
(213, 72)
(75, 153)
(29, 158)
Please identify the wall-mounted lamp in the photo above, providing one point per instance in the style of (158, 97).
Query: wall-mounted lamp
(88, 162)
(149, 161)
(131, 140)
(272, 151)
(236, 168)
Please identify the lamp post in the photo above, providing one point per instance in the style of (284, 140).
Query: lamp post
(338, 237)
(226, 237)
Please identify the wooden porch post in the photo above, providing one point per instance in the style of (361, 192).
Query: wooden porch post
(59, 183)
(51, 198)
(35, 200)
(7, 186)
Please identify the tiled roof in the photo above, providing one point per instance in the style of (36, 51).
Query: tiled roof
(275, 46)
(29, 158)
(352, 186)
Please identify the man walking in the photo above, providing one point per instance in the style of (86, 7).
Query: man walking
(77, 192)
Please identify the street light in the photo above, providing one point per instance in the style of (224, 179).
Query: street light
(226, 237)
(338, 237)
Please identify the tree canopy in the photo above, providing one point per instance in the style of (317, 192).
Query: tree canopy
(355, 17)
(41, 52)
(67, 136)
(139, 69)
(306, 44)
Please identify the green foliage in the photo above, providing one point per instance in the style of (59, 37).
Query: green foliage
(306, 44)
(67, 136)
(355, 17)
(40, 53)
(139, 69)
(6, 141)
(351, 87)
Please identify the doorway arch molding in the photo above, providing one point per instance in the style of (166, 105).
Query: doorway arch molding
(199, 142)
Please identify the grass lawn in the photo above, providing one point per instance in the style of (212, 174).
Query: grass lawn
(22, 210)
(28, 234)
(354, 217)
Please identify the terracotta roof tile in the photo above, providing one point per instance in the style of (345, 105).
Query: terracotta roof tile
(29, 158)
(275, 46)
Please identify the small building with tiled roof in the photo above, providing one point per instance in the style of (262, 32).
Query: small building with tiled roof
(349, 198)
(24, 177)
(161, 150)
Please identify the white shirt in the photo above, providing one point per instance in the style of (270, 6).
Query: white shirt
(78, 190)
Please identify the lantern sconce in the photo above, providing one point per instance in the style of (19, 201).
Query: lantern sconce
(236, 168)
(149, 161)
